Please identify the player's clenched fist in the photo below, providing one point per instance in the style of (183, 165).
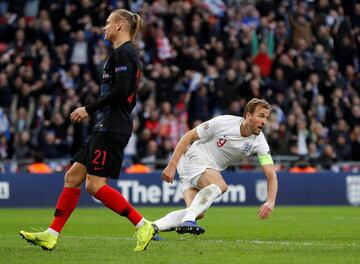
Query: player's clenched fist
(168, 174)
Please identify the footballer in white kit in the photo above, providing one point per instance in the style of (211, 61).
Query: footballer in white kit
(220, 144)
(203, 152)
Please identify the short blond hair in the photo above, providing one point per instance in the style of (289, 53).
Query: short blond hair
(255, 102)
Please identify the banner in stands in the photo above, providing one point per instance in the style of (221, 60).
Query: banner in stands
(42, 190)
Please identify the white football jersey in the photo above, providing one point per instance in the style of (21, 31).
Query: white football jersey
(221, 143)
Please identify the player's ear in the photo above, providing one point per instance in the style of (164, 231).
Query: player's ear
(119, 24)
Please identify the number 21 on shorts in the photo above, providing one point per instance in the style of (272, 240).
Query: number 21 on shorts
(100, 157)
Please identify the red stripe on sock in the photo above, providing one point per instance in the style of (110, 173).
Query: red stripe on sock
(67, 202)
(114, 200)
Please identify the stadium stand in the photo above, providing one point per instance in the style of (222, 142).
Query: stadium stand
(201, 58)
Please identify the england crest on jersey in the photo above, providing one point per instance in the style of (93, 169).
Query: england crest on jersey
(247, 148)
(353, 189)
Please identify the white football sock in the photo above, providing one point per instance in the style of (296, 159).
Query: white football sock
(202, 201)
(53, 232)
(141, 223)
(170, 221)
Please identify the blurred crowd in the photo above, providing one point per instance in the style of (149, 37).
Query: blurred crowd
(201, 58)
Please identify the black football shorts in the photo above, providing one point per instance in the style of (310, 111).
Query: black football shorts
(103, 154)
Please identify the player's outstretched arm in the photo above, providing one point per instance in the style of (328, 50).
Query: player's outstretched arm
(272, 187)
(168, 173)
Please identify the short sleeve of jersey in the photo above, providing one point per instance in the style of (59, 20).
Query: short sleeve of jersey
(262, 147)
(123, 65)
(210, 127)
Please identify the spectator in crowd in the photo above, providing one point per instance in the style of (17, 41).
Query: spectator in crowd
(342, 129)
(302, 166)
(137, 167)
(23, 148)
(199, 62)
(262, 56)
(5, 92)
(342, 148)
(4, 149)
(51, 146)
(39, 166)
(142, 142)
(153, 124)
(279, 139)
(168, 123)
(151, 155)
(80, 52)
(313, 153)
(5, 128)
(302, 138)
(355, 143)
(328, 157)
(166, 149)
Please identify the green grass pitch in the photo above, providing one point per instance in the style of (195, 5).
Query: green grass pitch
(233, 235)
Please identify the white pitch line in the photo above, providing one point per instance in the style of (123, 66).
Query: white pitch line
(221, 241)
(294, 243)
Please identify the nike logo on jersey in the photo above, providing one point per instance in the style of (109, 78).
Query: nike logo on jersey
(98, 168)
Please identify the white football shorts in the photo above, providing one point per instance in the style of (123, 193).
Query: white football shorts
(190, 167)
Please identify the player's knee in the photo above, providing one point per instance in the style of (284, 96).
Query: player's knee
(223, 187)
(75, 176)
(93, 185)
(90, 187)
(71, 180)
